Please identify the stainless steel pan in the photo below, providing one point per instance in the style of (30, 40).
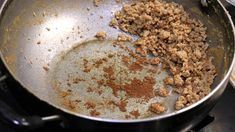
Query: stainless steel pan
(44, 43)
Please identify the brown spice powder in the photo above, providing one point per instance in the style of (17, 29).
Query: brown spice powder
(94, 113)
(89, 89)
(86, 69)
(135, 66)
(98, 63)
(127, 116)
(77, 80)
(126, 60)
(101, 82)
(90, 105)
(71, 105)
(136, 88)
(135, 113)
(100, 91)
(110, 72)
(64, 94)
(122, 106)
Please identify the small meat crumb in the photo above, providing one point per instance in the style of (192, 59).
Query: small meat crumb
(155, 61)
(157, 108)
(122, 106)
(164, 34)
(101, 35)
(178, 80)
(180, 103)
(39, 42)
(113, 23)
(169, 81)
(118, 1)
(96, 2)
(163, 92)
(146, 17)
(124, 38)
(183, 55)
(48, 29)
(46, 68)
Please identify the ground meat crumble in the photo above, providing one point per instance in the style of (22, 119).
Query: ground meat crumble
(124, 38)
(96, 2)
(101, 35)
(167, 32)
(157, 108)
(163, 92)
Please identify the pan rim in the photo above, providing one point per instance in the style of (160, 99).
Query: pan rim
(156, 118)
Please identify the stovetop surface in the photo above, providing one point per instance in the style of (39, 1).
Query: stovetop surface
(223, 115)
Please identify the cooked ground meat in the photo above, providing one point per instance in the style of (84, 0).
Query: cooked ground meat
(163, 92)
(169, 81)
(155, 61)
(113, 23)
(101, 35)
(181, 102)
(166, 31)
(96, 2)
(118, 1)
(157, 108)
(124, 38)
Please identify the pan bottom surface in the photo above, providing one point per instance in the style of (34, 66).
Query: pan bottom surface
(99, 78)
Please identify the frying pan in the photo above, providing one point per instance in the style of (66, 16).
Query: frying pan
(44, 45)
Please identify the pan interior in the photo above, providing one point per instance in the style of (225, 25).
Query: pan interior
(39, 38)
(97, 77)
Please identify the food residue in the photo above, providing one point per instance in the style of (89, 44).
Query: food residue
(94, 113)
(157, 108)
(135, 113)
(39, 42)
(96, 2)
(166, 31)
(90, 105)
(167, 40)
(163, 92)
(136, 88)
(101, 35)
(46, 68)
(48, 29)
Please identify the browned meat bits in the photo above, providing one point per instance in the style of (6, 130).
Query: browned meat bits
(157, 108)
(101, 35)
(166, 31)
(96, 2)
(163, 92)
